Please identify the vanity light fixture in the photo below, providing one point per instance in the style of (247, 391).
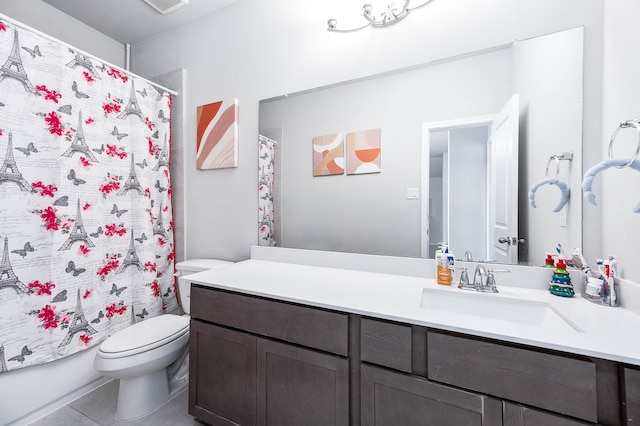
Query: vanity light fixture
(388, 17)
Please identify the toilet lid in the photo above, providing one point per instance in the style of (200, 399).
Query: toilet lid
(147, 334)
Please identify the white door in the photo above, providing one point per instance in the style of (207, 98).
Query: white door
(503, 212)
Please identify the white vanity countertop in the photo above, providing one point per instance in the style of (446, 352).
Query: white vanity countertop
(608, 333)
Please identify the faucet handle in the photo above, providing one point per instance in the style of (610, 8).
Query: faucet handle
(464, 279)
(491, 279)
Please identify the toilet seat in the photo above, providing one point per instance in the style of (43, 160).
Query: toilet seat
(145, 336)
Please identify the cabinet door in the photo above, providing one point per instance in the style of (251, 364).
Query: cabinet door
(632, 395)
(391, 398)
(299, 386)
(222, 375)
(519, 415)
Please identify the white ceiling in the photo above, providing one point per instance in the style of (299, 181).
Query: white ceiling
(131, 21)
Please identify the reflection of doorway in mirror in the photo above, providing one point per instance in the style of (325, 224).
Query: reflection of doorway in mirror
(460, 196)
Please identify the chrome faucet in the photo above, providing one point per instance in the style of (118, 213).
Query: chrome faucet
(479, 278)
(484, 280)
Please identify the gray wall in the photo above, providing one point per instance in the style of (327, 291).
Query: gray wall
(620, 189)
(49, 20)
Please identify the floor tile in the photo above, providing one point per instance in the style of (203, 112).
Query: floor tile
(65, 416)
(100, 404)
(98, 408)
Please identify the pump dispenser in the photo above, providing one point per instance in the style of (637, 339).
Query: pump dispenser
(445, 262)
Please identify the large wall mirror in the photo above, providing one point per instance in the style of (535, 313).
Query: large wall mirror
(439, 169)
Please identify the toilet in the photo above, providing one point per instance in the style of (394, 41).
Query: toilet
(150, 358)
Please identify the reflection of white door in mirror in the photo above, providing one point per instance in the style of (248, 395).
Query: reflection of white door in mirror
(504, 183)
(470, 184)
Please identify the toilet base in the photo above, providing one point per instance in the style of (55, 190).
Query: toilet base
(139, 396)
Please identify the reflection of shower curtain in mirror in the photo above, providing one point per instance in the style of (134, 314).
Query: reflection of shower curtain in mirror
(266, 170)
(86, 225)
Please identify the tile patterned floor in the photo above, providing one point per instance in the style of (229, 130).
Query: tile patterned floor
(98, 408)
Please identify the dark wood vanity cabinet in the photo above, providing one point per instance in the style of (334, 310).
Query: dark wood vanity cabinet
(255, 361)
(480, 381)
(548, 381)
(258, 361)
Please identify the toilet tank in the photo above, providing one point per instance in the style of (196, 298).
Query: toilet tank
(188, 267)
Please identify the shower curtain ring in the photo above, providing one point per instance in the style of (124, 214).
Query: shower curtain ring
(624, 125)
(546, 173)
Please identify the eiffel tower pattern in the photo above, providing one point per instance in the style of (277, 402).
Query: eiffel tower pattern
(13, 67)
(78, 323)
(78, 233)
(84, 62)
(79, 144)
(132, 181)
(131, 259)
(8, 278)
(132, 106)
(158, 227)
(3, 364)
(163, 161)
(9, 170)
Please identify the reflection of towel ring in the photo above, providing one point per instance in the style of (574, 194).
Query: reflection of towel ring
(546, 172)
(619, 163)
(564, 189)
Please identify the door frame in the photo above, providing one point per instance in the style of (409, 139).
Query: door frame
(425, 144)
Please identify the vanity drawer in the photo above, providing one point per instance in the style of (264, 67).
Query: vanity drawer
(540, 379)
(386, 344)
(315, 328)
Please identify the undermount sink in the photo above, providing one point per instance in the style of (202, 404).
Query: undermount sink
(489, 306)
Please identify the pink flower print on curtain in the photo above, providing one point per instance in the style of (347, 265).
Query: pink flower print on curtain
(86, 224)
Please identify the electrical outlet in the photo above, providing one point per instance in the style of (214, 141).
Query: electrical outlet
(563, 217)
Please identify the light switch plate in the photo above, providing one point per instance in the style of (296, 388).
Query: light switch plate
(412, 194)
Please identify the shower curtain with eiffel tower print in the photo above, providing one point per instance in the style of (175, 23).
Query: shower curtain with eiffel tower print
(86, 227)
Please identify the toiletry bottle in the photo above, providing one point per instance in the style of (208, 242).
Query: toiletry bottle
(610, 266)
(548, 262)
(445, 274)
(438, 254)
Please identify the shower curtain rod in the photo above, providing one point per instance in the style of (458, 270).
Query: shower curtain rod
(51, 38)
(268, 139)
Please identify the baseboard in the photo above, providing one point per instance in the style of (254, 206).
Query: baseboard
(59, 403)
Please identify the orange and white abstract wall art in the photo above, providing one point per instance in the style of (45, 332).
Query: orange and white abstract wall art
(363, 152)
(328, 155)
(217, 135)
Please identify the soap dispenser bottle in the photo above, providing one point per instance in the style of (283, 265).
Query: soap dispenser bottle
(444, 267)
(438, 254)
